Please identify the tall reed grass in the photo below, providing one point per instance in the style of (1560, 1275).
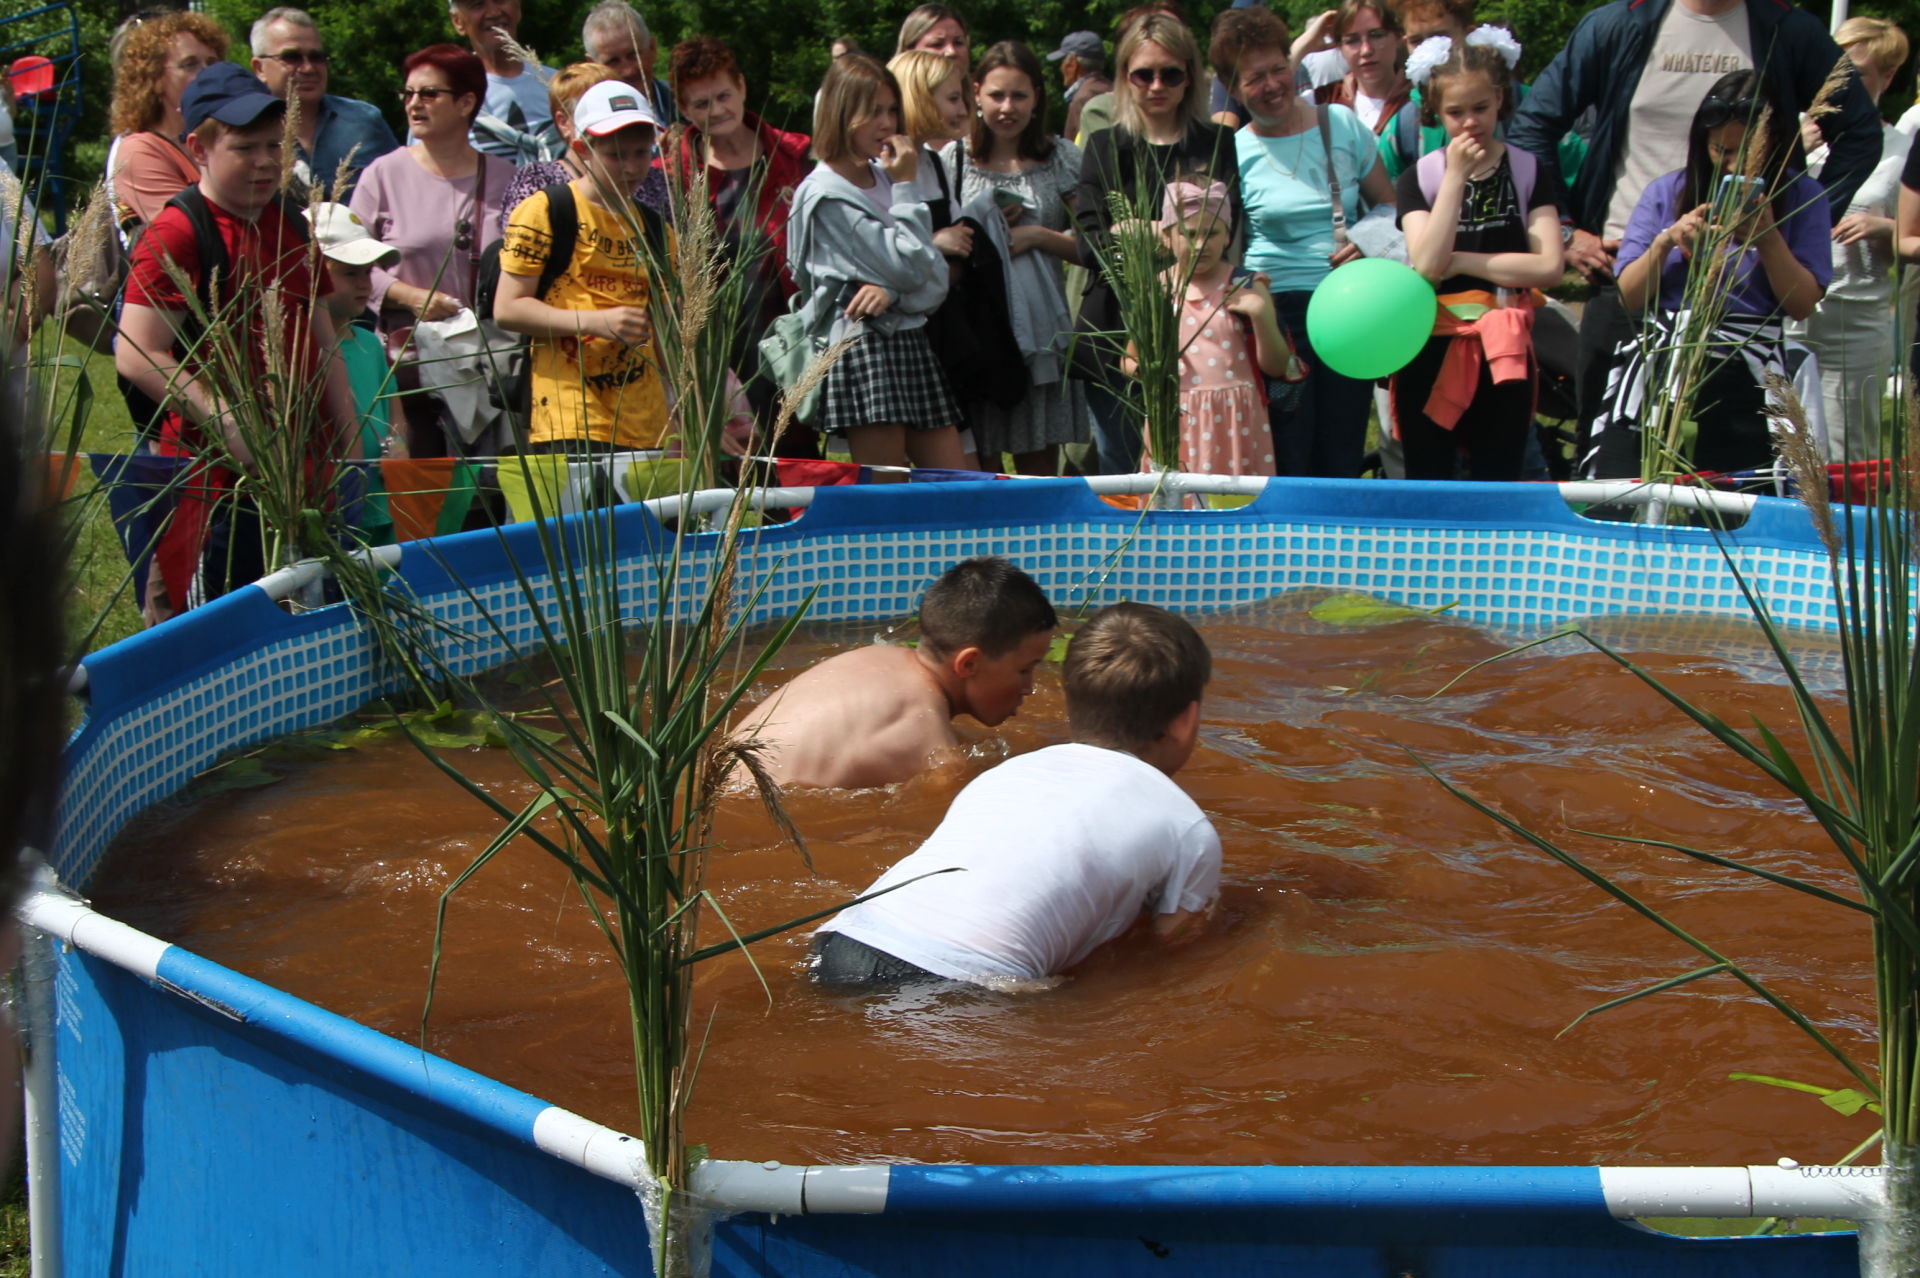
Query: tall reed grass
(647, 677)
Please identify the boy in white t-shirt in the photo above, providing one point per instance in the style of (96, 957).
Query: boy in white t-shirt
(1052, 854)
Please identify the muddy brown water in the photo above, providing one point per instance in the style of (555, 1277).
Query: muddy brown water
(1386, 980)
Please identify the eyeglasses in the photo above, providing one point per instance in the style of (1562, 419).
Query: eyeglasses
(425, 95)
(463, 235)
(1377, 36)
(1166, 77)
(301, 58)
(1715, 112)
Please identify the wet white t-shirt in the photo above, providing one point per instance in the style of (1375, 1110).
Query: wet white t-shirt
(1058, 851)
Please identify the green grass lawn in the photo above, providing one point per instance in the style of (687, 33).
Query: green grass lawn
(88, 415)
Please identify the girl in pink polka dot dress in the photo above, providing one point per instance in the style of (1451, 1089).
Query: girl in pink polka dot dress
(1230, 339)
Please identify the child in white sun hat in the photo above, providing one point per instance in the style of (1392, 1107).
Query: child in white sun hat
(352, 253)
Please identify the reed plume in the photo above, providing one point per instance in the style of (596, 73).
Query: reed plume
(1827, 101)
(1793, 441)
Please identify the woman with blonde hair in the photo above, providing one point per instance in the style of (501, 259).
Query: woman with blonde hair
(933, 112)
(1160, 129)
(1850, 332)
(146, 164)
(563, 94)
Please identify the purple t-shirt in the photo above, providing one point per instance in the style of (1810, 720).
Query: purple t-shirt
(1807, 229)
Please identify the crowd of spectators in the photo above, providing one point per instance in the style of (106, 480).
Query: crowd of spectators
(938, 217)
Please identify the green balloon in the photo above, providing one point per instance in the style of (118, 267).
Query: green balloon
(1370, 317)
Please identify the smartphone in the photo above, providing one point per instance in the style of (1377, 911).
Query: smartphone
(1737, 197)
(1008, 198)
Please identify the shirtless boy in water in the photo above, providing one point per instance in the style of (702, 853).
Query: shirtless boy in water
(882, 714)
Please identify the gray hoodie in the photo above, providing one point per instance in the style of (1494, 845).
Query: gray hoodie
(837, 241)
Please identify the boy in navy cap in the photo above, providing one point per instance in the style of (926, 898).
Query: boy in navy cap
(231, 228)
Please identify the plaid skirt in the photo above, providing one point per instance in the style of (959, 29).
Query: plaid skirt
(884, 378)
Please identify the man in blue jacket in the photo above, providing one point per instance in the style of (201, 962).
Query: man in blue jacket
(1643, 67)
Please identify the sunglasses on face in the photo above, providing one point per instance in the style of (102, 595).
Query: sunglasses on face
(300, 58)
(1715, 112)
(425, 95)
(1166, 77)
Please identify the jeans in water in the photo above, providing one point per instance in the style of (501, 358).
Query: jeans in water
(844, 963)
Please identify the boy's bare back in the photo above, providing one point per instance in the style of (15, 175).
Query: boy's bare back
(868, 717)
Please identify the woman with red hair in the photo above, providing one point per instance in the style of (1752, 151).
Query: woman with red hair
(438, 202)
(751, 171)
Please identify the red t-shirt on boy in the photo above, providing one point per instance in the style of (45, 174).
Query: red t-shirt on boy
(271, 250)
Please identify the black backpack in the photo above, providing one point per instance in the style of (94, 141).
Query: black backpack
(212, 251)
(564, 218)
(512, 381)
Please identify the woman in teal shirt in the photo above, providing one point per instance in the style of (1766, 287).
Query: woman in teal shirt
(1293, 158)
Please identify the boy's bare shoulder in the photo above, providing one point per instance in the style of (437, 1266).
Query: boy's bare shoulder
(866, 717)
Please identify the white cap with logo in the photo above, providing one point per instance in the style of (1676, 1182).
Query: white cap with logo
(345, 238)
(610, 106)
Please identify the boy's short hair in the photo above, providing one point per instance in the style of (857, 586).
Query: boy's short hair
(1130, 671)
(983, 603)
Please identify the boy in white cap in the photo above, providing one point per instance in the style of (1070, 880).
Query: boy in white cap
(352, 253)
(593, 365)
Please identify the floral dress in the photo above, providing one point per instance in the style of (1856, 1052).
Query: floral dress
(1055, 408)
(1223, 420)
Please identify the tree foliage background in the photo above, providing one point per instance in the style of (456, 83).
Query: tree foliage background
(781, 44)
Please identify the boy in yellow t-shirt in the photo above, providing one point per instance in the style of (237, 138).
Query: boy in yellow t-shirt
(594, 365)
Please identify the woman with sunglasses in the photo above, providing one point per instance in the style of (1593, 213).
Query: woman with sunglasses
(1160, 129)
(437, 201)
(1743, 228)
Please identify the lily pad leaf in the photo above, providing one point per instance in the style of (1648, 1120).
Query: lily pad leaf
(1361, 610)
(1849, 1101)
(244, 773)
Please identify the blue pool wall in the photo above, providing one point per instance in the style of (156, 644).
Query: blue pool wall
(210, 1124)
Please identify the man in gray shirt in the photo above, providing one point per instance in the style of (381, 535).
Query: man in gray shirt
(516, 120)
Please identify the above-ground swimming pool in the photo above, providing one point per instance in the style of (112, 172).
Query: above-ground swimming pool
(197, 1121)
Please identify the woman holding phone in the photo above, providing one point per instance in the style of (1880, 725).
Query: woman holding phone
(1744, 194)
